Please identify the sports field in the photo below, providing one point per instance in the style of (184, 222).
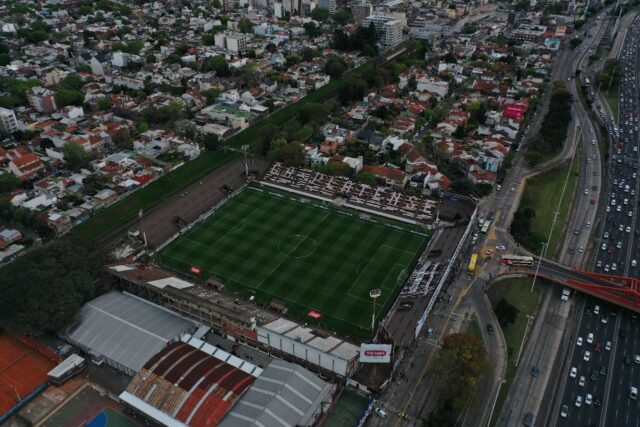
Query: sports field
(305, 255)
(88, 408)
(22, 369)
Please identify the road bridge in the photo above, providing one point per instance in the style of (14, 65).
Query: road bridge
(619, 290)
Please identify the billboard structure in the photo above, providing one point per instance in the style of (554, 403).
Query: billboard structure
(375, 353)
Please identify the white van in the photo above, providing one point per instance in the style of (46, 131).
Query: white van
(381, 413)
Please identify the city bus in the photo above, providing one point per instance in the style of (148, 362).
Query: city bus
(485, 227)
(517, 260)
(472, 264)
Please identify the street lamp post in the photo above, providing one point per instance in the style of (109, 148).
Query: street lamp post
(493, 407)
(524, 336)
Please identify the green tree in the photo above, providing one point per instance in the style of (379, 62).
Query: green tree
(458, 367)
(335, 67)
(342, 17)
(122, 139)
(5, 59)
(575, 42)
(104, 104)
(218, 64)
(74, 156)
(143, 127)
(66, 97)
(245, 26)
(211, 95)
(42, 290)
(211, 142)
(311, 29)
(8, 182)
(505, 312)
(72, 81)
(320, 14)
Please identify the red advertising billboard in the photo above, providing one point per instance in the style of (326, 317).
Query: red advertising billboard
(514, 111)
(375, 353)
(315, 314)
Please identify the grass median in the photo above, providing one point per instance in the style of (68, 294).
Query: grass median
(517, 292)
(542, 196)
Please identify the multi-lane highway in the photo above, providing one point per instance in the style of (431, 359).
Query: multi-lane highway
(616, 252)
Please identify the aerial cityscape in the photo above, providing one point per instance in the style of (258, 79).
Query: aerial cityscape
(278, 213)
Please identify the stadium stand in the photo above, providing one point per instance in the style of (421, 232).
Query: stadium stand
(124, 331)
(380, 200)
(189, 383)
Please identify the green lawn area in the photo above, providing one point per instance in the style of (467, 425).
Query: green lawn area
(348, 409)
(611, 95)
(517, 293)
(164, 187)
(305, 255)
(543, 194)
(473, 328)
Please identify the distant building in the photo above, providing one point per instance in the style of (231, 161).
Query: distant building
(328, 4)
(361, 12)
(42, 100)
(388, 30)
(8, 121)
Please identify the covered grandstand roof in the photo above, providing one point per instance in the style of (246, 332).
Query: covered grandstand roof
(283, 395)
(189, 383)
(125, 329)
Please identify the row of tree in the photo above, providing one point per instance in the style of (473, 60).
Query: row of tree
(555, 126)
(42, 290)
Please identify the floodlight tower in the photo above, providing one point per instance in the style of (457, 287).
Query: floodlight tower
(374, 294)
(245, 148)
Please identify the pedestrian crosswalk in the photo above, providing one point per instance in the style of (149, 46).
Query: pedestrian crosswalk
(485, 276)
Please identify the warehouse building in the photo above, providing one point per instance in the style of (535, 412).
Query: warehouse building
(284, 395)
(125, 331)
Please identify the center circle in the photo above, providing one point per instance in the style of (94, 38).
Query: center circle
(297, 246)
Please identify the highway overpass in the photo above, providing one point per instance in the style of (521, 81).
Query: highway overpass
(622, 291)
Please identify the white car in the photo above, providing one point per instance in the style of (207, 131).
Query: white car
(588, 399)
(573, 372)
(607, 346)
(564, 411)
(636, 358)
(596, 309)
(633, 393)
(587, 356)
(581, 380)
(578, 401)
(590, 338)
(579, 342)
(501, 248)
(634, 263)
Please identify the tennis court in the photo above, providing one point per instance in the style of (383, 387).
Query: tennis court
(318, 260)
(23, 368)
(88, 408)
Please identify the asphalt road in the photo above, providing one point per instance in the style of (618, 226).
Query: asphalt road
(616, 248)
(588, 415)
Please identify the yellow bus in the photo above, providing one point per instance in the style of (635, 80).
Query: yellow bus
(472, 264)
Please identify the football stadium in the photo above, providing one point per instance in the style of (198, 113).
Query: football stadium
(318, 261)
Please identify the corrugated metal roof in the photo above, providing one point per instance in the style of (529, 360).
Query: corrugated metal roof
(283, 395)
(126, 329)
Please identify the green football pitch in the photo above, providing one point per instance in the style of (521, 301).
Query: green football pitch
(306, 255)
